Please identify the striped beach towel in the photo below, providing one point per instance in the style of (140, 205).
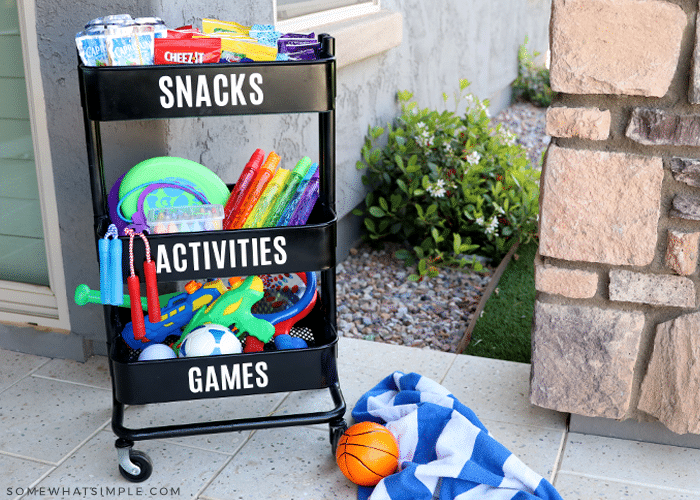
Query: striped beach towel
(445, 452)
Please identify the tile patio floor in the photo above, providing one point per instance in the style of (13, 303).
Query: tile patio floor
(55, 433)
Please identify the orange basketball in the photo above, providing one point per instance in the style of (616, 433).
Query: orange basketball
(366, 453)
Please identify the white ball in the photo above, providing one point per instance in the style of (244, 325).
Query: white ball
(209, 340)
(156, 351)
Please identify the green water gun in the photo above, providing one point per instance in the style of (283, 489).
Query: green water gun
(234, 308)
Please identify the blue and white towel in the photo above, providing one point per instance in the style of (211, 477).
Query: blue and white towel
(445, 452)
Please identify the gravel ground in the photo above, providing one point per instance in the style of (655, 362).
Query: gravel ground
(377, 302)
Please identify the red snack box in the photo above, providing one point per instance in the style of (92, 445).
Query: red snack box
(187, 50)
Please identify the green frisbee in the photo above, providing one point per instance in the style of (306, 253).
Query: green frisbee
(170, 169)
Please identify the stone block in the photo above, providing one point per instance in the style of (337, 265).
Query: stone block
(627, 47)
(600, 207)
(653, 289)
(586, 123)
(571, 283)
(583, 359)
(671, 387)
(686, 170)
(685, 206)
(694, 91)
(682, 252)
(656, 127)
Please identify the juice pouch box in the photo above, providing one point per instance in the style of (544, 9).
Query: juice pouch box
(130, 49)
(187, 50)
(92, 48)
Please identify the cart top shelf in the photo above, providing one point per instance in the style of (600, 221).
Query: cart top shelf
(115, 93)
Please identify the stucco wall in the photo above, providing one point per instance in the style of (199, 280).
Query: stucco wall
(473, 39)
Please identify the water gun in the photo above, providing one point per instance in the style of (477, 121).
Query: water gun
(238, 194)
(295, 177)
(262, 208)
(262, 177)
(178, 311)
(233, 308)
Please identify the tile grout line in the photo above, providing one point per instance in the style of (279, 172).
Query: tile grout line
(27, 375)
(560, 454)
(81, 384)
(28, 458)
(449, 367)
(633, 483)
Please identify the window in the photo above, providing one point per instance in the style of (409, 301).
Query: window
(32, 286)
(298, 15)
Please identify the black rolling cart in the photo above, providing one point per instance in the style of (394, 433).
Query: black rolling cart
(151, 92)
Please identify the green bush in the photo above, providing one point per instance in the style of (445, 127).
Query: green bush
(532, 83)
(446, 186)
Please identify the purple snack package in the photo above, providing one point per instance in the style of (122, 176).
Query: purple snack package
(300, 36)
(289, 46)
(304, 55)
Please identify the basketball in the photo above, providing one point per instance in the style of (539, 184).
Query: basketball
(366, 453)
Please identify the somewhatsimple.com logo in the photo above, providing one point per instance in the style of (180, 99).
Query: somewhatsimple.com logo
(94, 491)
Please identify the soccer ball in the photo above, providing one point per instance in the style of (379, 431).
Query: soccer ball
(209, 340)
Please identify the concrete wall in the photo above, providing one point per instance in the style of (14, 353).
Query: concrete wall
(473, 39)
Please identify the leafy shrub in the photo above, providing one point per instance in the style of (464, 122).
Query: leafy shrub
(446, 186)
(532, 83)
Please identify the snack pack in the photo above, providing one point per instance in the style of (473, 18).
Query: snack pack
(187, 50)
(92, 47)
(126, 48)
(119, 40)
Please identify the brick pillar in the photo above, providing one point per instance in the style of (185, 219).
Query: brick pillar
(616, 273)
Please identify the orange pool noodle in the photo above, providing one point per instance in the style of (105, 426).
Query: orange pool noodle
(366, 453)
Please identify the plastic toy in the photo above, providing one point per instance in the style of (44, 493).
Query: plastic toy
(161, 168)
(366, 453)
(233, 308)
(210, 340)
(262, 208)
(110, 254)
(306, 202)
(233, 205)
(262, 177)
(290, 297)
(185, 219)
(162, 182)
(295, 178)
(178, 311)
(294, 202)
(134, 287)
(84, 295)
(157, 351)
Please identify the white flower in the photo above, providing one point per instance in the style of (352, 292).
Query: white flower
(473, 158)
(423, 139)
(492, 227)
(509, 137)
(480, 221)
(437, 190)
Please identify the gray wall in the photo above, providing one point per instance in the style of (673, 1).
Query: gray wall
(442, 42)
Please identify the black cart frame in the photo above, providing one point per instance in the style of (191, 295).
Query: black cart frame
(156, 92)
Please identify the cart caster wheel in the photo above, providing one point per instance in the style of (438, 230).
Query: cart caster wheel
(134, 465)
(336, 432)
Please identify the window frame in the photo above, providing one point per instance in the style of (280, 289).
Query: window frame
(22, 303)
(306, 22)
